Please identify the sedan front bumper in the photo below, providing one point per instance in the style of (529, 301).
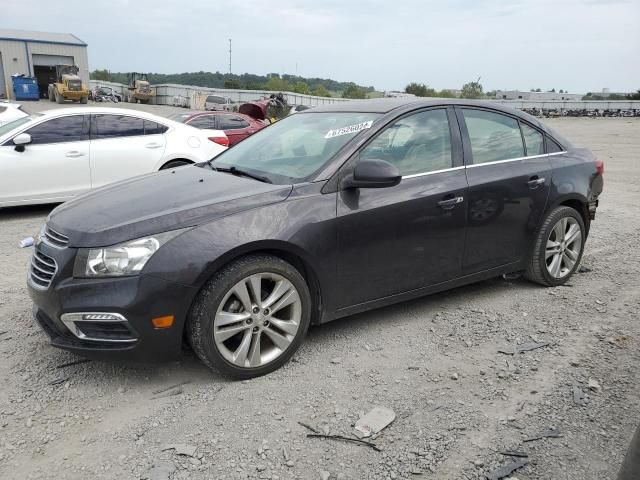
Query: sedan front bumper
(132, 301)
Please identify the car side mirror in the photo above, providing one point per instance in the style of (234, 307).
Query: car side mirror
(373, 174)
(21, 140)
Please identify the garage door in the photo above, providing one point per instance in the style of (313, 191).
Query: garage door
(51, 60)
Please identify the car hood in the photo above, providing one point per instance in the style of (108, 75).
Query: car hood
(159, 202)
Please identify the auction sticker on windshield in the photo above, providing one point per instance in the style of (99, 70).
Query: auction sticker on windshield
(350, 129)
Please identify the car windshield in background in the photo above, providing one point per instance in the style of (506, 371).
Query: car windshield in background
(16, 123)
(294, 149)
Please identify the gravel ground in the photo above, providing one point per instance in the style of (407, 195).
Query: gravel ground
(434, 361)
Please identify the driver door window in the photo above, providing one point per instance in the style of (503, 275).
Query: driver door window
(419, 143)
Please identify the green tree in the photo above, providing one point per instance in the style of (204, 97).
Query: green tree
(275, 83)
(445, 94)
(301, 87)
(635, 96)
(538, 89)
(320, 91)
(420, 90)
(353, 91)
(103, 75)
(231, 83)
(472, 90)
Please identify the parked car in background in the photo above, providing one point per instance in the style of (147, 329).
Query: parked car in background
(217, 103)
(10, 112)
(236, 126)
(326, 213)
(104, 94)
(54, 156)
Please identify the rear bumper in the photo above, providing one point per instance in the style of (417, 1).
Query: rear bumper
(137, 299)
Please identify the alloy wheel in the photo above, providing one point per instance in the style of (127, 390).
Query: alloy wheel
(563, 247)
(257, 320)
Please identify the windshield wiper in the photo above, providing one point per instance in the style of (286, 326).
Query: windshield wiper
(241, 173)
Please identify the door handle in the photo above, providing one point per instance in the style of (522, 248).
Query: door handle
(449, 203)
(153, 145)
(534, 182)
(74, 154)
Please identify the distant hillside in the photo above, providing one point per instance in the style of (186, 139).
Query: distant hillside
(273, 81)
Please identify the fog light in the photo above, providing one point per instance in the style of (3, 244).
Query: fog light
(163, 322)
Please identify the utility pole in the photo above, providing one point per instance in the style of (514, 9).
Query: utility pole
(229, 55)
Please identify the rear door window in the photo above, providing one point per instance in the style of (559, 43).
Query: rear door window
(493, 136)
(153, 128)
(113, 126)
(553, 147)
(231, 122)
(533, 140)
(59, 130)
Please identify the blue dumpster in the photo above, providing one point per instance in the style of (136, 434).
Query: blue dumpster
(25, 88)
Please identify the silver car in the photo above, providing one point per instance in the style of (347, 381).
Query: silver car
(217, 103)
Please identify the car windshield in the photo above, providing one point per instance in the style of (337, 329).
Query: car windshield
(294, 149)
(6, 128)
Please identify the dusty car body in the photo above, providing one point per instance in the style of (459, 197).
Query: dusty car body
(324, 214)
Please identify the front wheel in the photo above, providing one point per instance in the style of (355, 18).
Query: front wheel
(251, 317)
(558, 247)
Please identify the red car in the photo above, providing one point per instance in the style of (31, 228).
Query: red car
(237, 126)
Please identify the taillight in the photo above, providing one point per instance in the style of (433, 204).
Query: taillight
(224, 141)
(600, 167)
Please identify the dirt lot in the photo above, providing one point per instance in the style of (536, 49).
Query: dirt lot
(434, 361)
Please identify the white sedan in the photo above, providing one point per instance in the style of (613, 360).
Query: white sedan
(54, 156)
(10, 112)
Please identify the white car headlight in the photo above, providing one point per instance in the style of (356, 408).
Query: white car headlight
(127, 258)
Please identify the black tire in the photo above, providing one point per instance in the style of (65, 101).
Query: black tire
(83, 100)
(59, 98)
(52, 98)
(175, 164)
(537, 268)
(200, 320)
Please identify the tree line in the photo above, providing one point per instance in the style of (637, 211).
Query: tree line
(469, 90)
(321, 87)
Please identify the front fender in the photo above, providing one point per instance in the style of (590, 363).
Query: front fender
(302, 226)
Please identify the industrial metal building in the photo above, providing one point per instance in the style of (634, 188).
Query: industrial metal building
(35, 54)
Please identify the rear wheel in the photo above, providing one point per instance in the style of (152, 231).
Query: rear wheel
(52, 98)
(251, 317)
(59, 98)
(558, 248)
(83, 100)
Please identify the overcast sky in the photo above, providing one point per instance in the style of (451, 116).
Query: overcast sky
(577, 45)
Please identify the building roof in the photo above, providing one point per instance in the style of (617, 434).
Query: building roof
(40, 37)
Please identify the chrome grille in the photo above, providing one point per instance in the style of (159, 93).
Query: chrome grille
(43, 269)
(54, 238)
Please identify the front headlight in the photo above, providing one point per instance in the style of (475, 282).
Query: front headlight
(127, 258)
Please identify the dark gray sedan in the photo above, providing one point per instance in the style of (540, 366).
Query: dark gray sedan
(329, 212)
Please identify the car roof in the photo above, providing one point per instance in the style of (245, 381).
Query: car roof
(387, 105)
(107, 110)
